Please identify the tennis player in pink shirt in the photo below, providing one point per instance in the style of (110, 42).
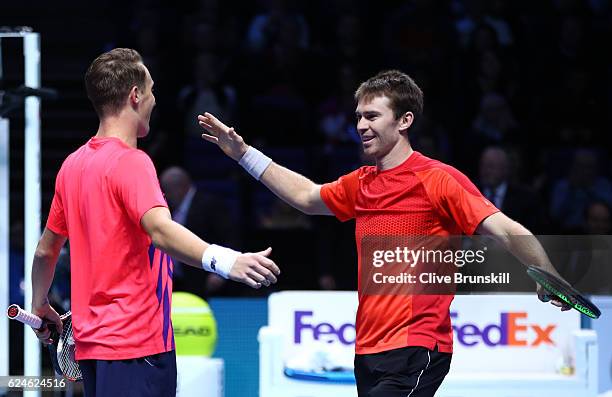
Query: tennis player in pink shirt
(109, 205)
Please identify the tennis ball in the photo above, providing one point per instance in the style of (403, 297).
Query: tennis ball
(195, 328)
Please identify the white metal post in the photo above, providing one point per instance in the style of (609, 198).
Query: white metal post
(31, 47)
(4, 243)
(31, 52)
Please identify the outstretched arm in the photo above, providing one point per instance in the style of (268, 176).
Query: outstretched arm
(521, 243)
(252, 269)
(293, 188)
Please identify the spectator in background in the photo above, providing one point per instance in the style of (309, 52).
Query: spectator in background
(467, 15)
(598, 218)
(198, 34)
(156, 145)
(282, 80)
(497, 18)
(483, 38)
(487, 66)
(586, 261)
(337, 113)
(281, 216)
(472, 13)
(266, 29)
(573, 45)
(484, 67)
(517, 201)
(204, 215)
(205, 35)
(348, 40)
(583, 185)
(433, 144)
(335, 254)
(489, 76)
(207, 91)
(148, 45)
(417, 33)
(207, 11)
(429, 134)
(495, 123)
(203, 32)
(495, 74)
(342, 151)
(577, 98)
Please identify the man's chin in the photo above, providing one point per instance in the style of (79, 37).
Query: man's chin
(369, 150)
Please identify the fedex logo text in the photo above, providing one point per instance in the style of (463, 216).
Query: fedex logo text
(324, 332)
(512, 330)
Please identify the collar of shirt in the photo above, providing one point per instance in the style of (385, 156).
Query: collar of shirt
(499, 194)
(180, 215)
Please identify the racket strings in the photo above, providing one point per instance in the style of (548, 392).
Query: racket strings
(66, 351)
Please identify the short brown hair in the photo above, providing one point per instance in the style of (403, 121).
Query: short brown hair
(111, 76)
(403, 93)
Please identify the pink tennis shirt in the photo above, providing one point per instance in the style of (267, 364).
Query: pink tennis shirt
(121, 285)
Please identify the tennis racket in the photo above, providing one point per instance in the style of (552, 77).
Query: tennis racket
(62, 349)
(564, 292)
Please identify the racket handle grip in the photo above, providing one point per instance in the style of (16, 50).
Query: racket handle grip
(15, 312)
(54, 333)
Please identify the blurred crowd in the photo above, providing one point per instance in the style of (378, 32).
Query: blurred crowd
(517, 96)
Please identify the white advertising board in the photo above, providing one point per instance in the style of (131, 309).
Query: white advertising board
(511, 333)
(308, 347)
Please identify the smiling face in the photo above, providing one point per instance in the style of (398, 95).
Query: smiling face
(386, 106)
(380, 131)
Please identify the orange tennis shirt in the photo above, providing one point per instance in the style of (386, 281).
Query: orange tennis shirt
(121, 285)
(420, 197)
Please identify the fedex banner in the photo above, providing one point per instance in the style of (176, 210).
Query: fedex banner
(492, 333)
(511, 333)
(318, 328)
(323, 332)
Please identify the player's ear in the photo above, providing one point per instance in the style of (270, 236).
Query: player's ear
(405, 121)
(135, 95)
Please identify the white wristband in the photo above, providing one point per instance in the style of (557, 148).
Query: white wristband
(218, 259)
(255, 162)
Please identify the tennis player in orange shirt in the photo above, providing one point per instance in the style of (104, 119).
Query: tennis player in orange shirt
(404, 342)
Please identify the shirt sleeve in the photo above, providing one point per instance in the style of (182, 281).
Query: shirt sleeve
(56, 222)
(135, 182)
(339, 196)
(456, 198)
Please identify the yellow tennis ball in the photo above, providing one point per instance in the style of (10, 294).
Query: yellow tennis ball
(195, 328)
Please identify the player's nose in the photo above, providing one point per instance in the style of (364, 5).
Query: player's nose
(362, 125)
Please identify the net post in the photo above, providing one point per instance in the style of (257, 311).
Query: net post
(31, 50)
(4, 243)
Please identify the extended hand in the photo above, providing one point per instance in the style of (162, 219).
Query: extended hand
(255, 269)
(223, 136)
(47, 313)
(545, 296)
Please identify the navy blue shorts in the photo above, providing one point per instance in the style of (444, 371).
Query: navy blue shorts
(150, 376)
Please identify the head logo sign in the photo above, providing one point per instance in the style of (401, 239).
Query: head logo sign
(324, 332)
(512, 330)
